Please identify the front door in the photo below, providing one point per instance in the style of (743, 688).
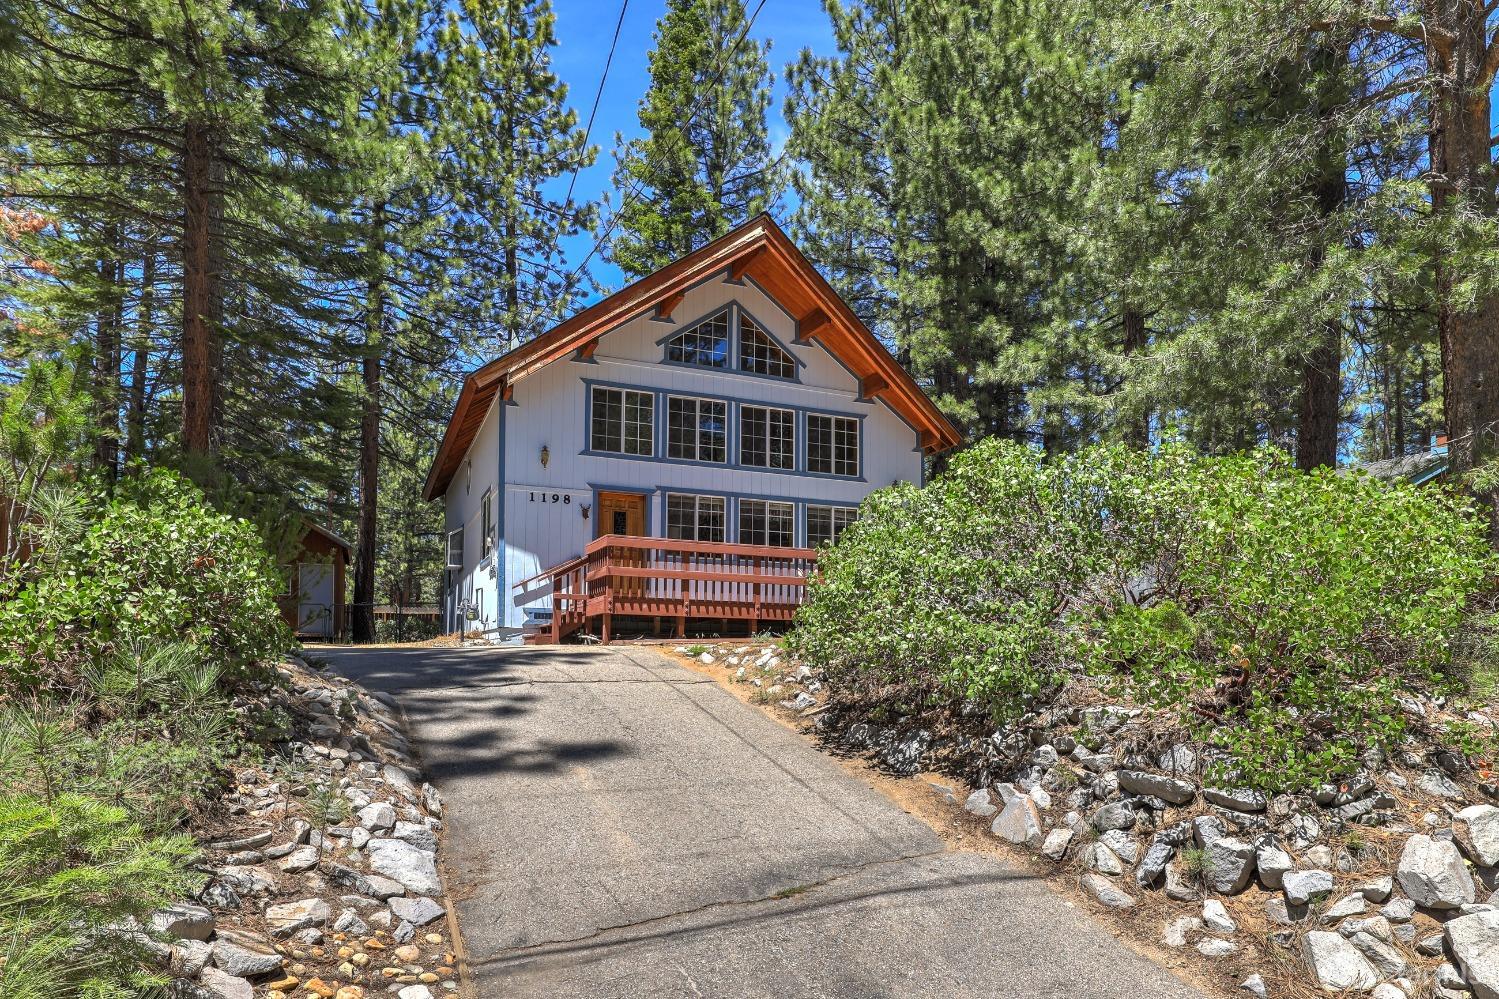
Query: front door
(624, 514)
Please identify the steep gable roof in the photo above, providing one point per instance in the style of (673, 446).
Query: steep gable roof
(757, 249)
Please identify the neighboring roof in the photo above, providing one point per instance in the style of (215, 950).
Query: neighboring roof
(1418, 468)
(759, 249)
(313, 528)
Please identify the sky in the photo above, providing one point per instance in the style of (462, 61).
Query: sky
(584, 30)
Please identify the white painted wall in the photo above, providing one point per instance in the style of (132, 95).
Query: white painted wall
(548, 409)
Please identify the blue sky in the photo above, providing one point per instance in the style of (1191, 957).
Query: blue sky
(584, 30)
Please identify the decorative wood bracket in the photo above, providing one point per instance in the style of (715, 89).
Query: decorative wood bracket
(668, 305)
(740, 265)
(585, 352)
(507, 391)
(873, 386)
(810, 326)
(928, 440)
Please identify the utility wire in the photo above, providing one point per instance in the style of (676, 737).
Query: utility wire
(698, 106)
(597, 96)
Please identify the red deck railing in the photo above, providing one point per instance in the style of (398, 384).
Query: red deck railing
(660, 578)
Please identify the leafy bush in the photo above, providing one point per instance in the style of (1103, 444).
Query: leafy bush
(1284, 613)
(1278, 614)
(156, 564)
(954, 591)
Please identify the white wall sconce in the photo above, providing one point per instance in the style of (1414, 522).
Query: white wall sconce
(546, 455)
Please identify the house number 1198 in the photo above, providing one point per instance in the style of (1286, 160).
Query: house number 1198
(551, 498)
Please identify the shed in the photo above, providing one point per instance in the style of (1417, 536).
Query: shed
(314, 604)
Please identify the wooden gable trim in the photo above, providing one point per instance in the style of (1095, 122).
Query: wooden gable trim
(740, 264)
(668, 305)
(757, 249)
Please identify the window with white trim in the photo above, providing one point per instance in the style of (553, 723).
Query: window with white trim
(766, 523)
(832, 444)
(761, 355)
(697, 429)
(486, 507)
(705, 344)
(694, 518)
(767, 437)
(455, 549)
(825, 523)
(623, 421)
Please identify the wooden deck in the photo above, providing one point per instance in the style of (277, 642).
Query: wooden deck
(670, 582)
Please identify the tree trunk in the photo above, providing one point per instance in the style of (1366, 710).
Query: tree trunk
(107, 364)
(135, 412)
(369, 436)
(1462, 180)
(1319, 413)
(1136, 427)
(201, 289)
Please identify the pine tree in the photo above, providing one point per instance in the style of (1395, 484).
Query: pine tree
(506, 134)
(705, 162)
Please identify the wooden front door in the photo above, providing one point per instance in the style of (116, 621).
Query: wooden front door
(622, 513)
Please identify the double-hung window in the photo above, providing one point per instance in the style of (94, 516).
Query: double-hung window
(697, 429)
(832, 445)
(825, 523)
(766, 523)
(694, 518)
(767, 437)
(455, 549)
(623, 421)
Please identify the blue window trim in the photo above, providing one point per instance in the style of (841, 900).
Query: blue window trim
(796, 437)
(730, 431)
(807, 445)
(734, 404)
(732, 364)
(679, 328)
(741, 311)
(589, 385)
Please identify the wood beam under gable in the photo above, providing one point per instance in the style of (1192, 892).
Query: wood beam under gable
(739, 265)
(668, 305)
(810, 326)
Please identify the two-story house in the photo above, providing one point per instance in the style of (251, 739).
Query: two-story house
(729, 404)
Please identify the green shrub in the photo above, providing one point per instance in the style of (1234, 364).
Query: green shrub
(1278, 614)
(155, 564)
(1285, 612)
(956, 591)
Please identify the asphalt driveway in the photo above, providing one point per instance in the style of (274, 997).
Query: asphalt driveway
(618, 826)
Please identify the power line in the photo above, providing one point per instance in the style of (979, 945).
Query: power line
(698, 105)
(598, 96)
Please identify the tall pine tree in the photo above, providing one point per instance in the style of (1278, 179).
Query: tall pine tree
(705, 162)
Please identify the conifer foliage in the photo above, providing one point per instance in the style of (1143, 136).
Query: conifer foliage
(704, 163)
